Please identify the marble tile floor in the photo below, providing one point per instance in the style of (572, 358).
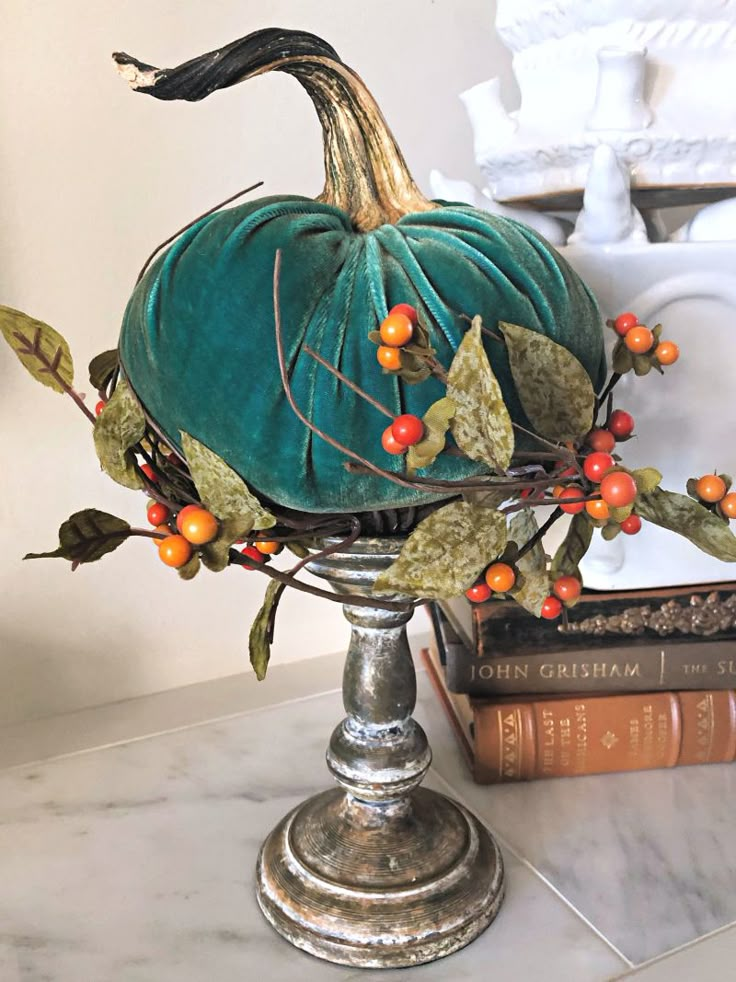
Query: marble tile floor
(129, 858)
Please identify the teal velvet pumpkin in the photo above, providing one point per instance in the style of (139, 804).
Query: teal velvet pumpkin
(198, 343)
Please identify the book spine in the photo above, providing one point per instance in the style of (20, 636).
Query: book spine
(516, 741)
(695, 665)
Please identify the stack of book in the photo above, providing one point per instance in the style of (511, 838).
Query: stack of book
(637, 680)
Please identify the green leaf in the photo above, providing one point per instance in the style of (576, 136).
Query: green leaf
(189, 570)
(120, 425)
(691, 488)
(609, 532)
(41, 350)
(102, 367)
(446, 552)
(488, 497)
(554, 388)
(86, 537)
(298, 548)
(680, 514)
(647, 479)
(534, 581)
(261, 637)
(221, 490)
(481, 425)
(621, 513)
(642, 365)
(436, 422)
(573, 547)
(216, 554)
(622, 360)
(413, 369)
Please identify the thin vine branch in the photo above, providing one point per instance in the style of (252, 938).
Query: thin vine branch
(346, 381)
(194, 221)
(539, 534)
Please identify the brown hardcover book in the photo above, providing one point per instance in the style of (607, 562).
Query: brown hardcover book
(697, 664)
(646, 619)
(520, 740)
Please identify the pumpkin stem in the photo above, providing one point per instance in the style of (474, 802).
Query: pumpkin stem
(365, 172)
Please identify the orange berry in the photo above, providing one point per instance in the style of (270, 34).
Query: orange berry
(598, 509)
(389, 358)
(667, 352)
(175, 551)
(164, 530)
(389, 442)
(557, 490)
(710, 488)
(639, 340)
(500, 577)
(728, 505)
(199, 526)
(268, 547)
(396, 330)
(184, 512)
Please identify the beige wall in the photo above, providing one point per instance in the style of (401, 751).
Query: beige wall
(91, 178)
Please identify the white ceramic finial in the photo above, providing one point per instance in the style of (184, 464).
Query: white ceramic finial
(619, 98)
(607, 215)
(492, 125)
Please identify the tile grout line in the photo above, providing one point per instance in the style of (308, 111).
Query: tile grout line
(672, 952)
(539, 875)
(153, 734)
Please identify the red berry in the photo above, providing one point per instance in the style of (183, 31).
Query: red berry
(407, 429)
(573, 507)
(407, 310)
(624, 323)
(631, 525)
(186, 510)
(567, 588)
(390, 444)
(256, 558)
(157, 513)
(478, 593)
(551, 608)
(596, 465)
(618, 489)
(621, 424)
(150, 473)
(601, 440)
(99, 407)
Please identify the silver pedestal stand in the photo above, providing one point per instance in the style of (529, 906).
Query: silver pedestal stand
(378, 872)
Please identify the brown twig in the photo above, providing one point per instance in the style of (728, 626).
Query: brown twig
(346, 381)
(194, 221)
(539, 534)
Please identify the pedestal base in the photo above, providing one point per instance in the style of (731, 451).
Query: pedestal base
(380, 885)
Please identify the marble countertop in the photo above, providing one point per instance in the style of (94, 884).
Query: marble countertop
(129, 833)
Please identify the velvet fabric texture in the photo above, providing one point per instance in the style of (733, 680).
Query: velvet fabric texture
(198, 346)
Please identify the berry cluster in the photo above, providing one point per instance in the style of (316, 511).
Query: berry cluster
(640, 340)
(396, 331)
(713, 491)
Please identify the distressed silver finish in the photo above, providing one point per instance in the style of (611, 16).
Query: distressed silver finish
(378, 872)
